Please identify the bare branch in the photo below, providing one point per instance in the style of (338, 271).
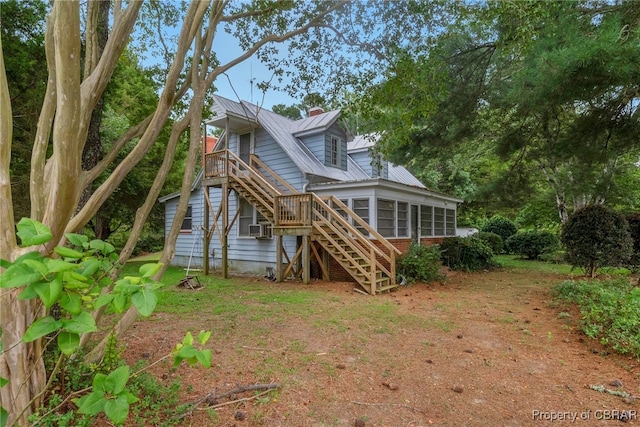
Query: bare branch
(7, 236)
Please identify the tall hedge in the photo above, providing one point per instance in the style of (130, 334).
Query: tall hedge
(596, 236)
(634, 229)
(533, 243)
(501, 226)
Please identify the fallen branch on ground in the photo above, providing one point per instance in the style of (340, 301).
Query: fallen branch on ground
(211, 398)
(401, 405)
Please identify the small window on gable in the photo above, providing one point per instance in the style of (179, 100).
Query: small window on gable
(335, 151)
(187, 222)
(376, 166)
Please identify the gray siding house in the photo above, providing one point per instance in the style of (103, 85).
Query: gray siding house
(302, 196)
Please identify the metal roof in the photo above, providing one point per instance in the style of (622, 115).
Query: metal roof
(284, 131)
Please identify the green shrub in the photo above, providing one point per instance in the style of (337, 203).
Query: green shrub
(634, 230)
(493, 240)
(501, 226)
(610, 311)
(596, 237)
(420, 263)
(467, 254)
(533, 243)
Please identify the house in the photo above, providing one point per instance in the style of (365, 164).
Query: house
(300, 197)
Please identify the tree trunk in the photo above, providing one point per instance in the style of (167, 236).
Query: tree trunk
(93, 150)
(21, 363)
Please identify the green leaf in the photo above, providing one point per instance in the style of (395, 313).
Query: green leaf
(119, 303)
(188, 339)
(125, 286)
(3, 382)
(103, 299)
(145, 301)
(68, 342)
(75, 239)
(49, 292)
(32, 232)
(204, 357)
(65, 252)
(148, 270)
(102, 246)
(203, 337)
(187, 352)
(117, 380)
(40, 328)
(19, 274)
(4, 417)
(71, 302)
(37, 265)
(58, 265)
(90, 266)
(117, 409)
(80, 324)
(91, 404)
(99, 382)
(130, 397)
(29, 292)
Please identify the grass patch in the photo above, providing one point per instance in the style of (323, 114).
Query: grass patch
(610, 311)
(514, 262)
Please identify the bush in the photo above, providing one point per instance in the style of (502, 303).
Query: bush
(466, 253)
(532, 244)
(634, 230)
(420, 263)
(500, 226)
(610, 311)
(493, 240)
(596, 237)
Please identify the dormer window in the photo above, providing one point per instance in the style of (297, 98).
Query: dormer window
(335, 151)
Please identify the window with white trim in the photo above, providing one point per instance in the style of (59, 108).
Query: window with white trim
(426, 221)
(450, 218)
(334, 151)
(403, 219)
(187, 222)
(438, 221)
(245, 217)
(361, 208)
(386, 217)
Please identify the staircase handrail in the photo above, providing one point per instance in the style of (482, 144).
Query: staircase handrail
(255, 159)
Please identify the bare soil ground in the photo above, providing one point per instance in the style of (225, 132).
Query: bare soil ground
(483, 349)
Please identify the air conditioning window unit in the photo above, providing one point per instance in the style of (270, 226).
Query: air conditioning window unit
(265, 231)
(255, 230)
(260, 231)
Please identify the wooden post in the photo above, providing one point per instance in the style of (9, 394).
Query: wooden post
(306, 259)
(392, 267)
(373, 271)
(325, 261)
(279, 271)
(205, 237)
(225, 232)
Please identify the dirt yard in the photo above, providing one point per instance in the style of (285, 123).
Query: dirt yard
(485, 349)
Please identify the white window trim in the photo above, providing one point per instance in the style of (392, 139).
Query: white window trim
(338, 162)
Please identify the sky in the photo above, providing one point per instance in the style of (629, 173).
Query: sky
(236, 84)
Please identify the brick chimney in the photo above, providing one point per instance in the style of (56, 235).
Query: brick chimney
(315, 111)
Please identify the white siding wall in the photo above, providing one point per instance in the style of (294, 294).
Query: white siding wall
(246, 254)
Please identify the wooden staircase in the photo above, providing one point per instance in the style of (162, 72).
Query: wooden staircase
(329, 222)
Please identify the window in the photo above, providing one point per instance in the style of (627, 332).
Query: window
(451, 222)
(187, 222)
(403, 219)
(438, 221)
(426, 220)
(244, 147)
(386, 218)
(361, 208)
(335, 151)
(376, 166)
(245, 217)
(341, 211)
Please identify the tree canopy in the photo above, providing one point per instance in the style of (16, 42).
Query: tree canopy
(549, 88)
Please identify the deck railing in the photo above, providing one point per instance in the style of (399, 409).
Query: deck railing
(293, 210)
